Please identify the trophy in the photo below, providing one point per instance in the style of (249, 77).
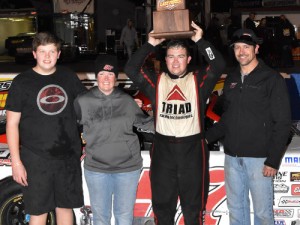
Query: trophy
(171, 20)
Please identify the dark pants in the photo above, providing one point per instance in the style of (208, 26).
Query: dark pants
(179, 168)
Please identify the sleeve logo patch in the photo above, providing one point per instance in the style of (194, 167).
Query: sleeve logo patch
(210, 53)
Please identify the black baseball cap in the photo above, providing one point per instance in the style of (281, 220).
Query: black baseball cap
(246, 36)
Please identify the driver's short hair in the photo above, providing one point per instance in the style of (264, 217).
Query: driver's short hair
(178, 43)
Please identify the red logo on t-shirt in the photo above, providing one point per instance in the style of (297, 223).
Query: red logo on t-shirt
(52, 99)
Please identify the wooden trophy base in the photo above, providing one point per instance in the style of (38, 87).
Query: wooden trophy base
(173, 35)
(171, 24)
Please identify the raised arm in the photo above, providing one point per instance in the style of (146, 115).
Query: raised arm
(135, 69)
(215, 60)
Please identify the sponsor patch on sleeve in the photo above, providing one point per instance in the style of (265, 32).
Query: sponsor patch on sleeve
(210, 53)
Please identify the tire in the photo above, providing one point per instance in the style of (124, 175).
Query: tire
(12, 207)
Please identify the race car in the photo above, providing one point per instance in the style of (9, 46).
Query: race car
(12, 210)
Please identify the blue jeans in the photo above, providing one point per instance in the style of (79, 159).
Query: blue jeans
(243, 174)
(117, 189)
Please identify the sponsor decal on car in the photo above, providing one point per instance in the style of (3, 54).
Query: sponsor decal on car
(289, 201)
(281, 176)
(279, 222)
(295, 222)
(4, 86)
(5, 159)
(281, 188)
(295, 190)
(283, 213)
(291, 161)
(295, 176)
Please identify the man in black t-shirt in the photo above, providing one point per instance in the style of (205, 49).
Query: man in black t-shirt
(42, 135)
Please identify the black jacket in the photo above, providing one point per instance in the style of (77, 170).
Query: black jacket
(286, 33)
(249, 24)
(257, 118)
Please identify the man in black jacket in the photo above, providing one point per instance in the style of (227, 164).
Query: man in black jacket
(287, 38)
(249, 22)
(179, 158)
(255, 126)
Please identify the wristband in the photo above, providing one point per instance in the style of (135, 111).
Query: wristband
(17, 164)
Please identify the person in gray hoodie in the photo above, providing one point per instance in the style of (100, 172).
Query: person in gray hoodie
(113, 161)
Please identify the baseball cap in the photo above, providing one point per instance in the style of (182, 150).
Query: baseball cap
(246, 36)
(106, 63)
